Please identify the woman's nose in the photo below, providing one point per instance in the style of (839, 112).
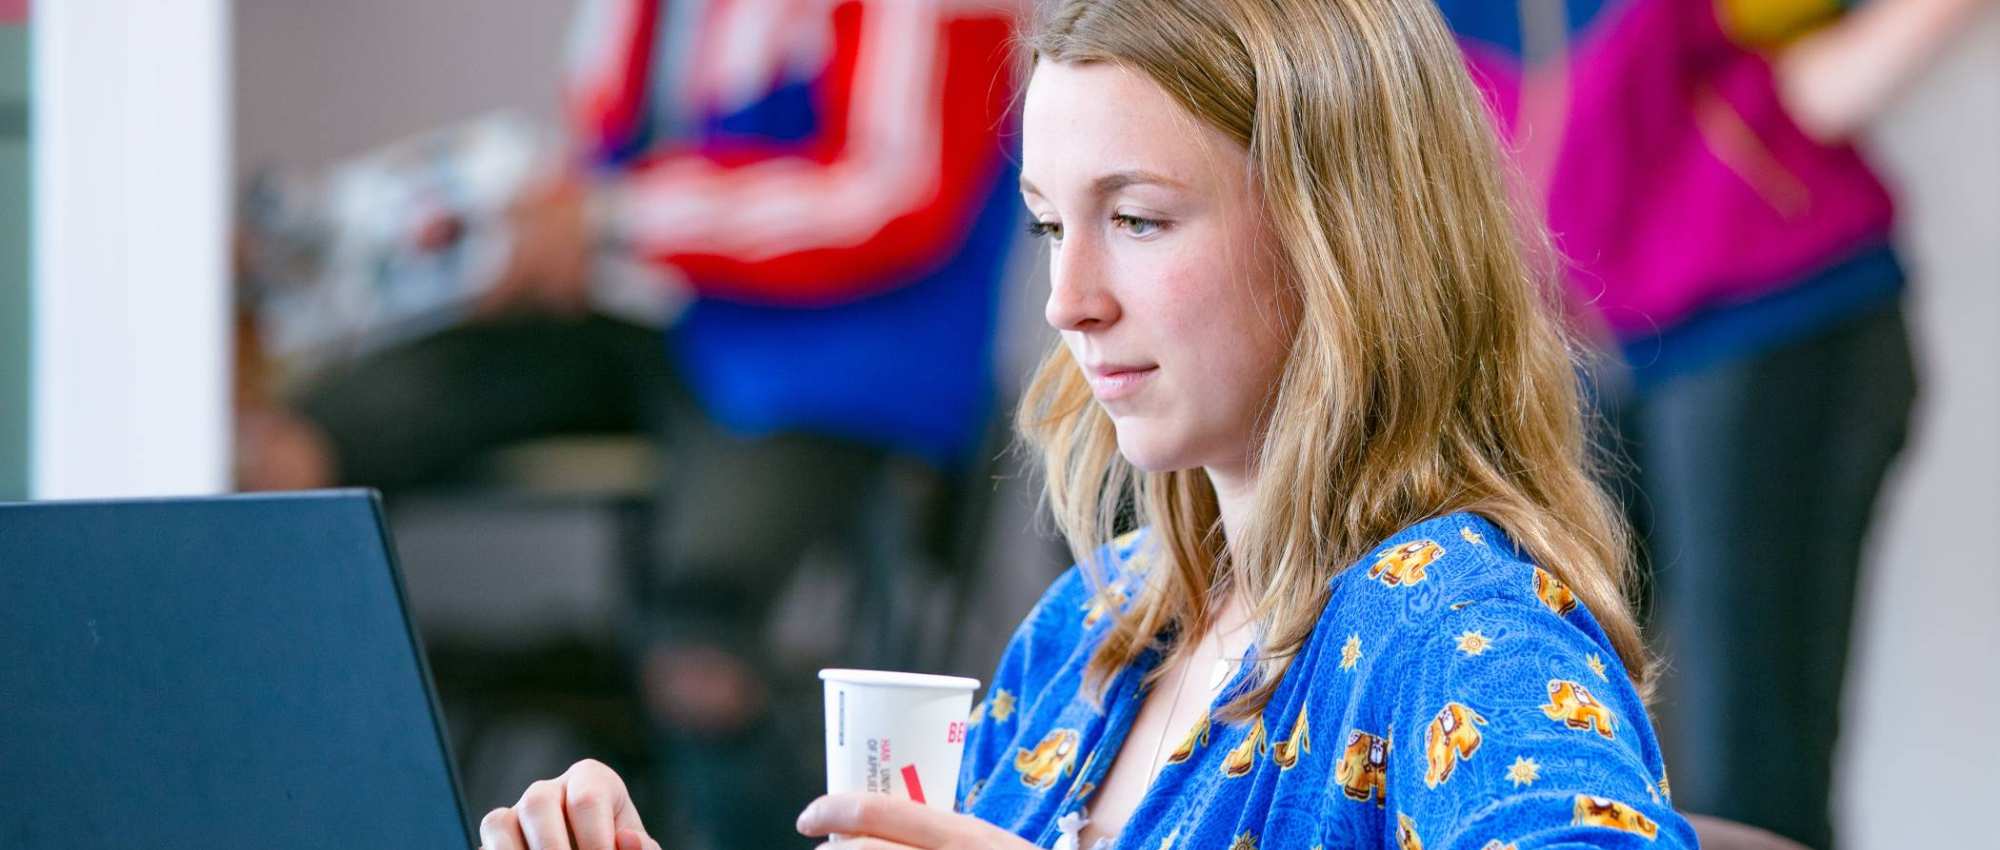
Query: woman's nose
(1078, 297)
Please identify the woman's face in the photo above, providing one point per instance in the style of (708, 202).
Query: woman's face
(1161, 278)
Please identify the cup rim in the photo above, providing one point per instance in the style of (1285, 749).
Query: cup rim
(898, 679)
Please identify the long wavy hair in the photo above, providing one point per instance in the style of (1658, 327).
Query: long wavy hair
(1429, 371)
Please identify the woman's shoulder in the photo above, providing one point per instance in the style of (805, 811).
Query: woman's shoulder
(1044, 659)
(1457, 578)
(1446, 642)
(1461, 555)
(1081, 600)
(1081, 597)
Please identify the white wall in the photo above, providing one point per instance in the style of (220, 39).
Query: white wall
(318, 81)
(132, 165)
(1920, 762)
(128, 381)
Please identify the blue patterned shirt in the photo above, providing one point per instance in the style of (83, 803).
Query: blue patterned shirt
(1452, 695)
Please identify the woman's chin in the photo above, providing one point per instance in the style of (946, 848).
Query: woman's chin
(1152, 455)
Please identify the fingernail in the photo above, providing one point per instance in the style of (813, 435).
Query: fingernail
(806, 817)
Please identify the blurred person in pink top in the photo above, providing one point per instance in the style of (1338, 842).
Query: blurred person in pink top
(1733, 250)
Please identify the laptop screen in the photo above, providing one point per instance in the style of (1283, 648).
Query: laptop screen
(216, 673)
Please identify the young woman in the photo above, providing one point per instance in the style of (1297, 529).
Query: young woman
(1309, 343)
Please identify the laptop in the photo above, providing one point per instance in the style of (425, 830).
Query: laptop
(229, 672)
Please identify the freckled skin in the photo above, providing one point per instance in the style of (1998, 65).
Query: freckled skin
(1195, 294)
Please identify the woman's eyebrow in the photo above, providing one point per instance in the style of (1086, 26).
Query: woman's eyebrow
(1116, 180)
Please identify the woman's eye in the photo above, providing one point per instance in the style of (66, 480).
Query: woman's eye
(1138, 226)
(1041, 229)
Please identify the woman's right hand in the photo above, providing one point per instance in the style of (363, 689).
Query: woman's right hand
(586, 808)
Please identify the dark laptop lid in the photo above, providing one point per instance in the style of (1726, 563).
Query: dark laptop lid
(215, 673)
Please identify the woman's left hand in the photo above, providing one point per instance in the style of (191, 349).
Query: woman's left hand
(880, 822)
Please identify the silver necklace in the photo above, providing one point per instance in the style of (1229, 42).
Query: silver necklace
(1218, 674)
(1167, 727)
(1071, 826)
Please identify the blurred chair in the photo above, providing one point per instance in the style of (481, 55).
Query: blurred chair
(521, 580)
(524, 580)
(925, 588)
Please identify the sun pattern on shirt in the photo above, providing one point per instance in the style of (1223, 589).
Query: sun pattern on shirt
(1002, 705)
(1472, 536)
(1596, 665)
(1524, 771)
(1473, 643)
(1350, 652)
(1244, 841)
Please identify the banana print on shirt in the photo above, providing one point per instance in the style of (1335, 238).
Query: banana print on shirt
(1197, 736)
(1286, 752)
(1244, 757)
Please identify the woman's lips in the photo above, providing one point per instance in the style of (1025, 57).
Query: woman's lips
(1116, 382)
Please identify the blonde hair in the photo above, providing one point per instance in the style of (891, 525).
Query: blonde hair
(1428, 371)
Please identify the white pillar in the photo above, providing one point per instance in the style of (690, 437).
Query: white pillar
(130, 367)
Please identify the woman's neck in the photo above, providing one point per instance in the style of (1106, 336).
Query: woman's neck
(1229, 628)
(1235, 494)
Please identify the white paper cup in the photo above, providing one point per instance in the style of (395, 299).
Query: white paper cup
(901, 734)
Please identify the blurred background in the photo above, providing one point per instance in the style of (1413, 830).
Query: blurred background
(681, 340)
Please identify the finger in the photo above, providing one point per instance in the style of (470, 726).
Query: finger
(632, 839)
(877, 816)
(626, 817)
(500, 831)
(624, 812)
(592, 795)
(541, 815)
